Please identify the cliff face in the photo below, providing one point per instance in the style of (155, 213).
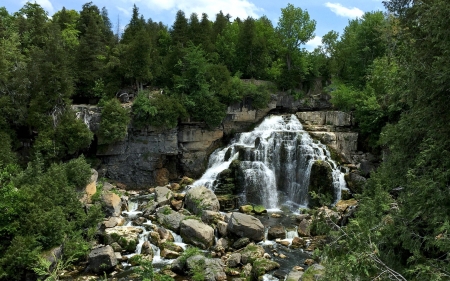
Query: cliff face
(152, 156)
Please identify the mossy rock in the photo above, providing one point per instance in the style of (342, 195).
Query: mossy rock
(261, 266)
(246, 209)
(321, 184)
(259, 209)
(313, 273)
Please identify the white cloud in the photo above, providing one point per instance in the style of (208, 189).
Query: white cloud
(340, 10)
(313, 43)
(123, 10)
(236, 8)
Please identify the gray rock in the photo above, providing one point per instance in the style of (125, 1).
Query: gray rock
(102, 259)
(163, 195)
(243, 225)
(241, 243)
(201, 198)
(234, 260)
(211, 268)
(222, 228)
(147, 249)
(275, 232)
(294, 275)
(112, 204)
(251, 252)
(211, 217)
(197, 233)
(126, 236)
(169, 218)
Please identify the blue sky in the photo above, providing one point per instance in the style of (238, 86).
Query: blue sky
(329, 14)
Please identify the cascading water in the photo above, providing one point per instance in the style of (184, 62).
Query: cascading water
(274, 163)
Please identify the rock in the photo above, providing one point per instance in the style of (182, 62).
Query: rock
(309, 262)
(301, 217)
(298, 242)
(282, 256)
(102, 259)
(342, 205)
(147, 249)
(139, 221)
(91, 188)
(222, 242)
(165, 235)
(241, 243)
(197, 233)
(154, 238)
(283, 242)
(276, 215)
(162, 176)
(176, 204)
(259, 210)
(112, 222)
(321, 183)
(211, 217)
(314, 272)
(171, 246)
(303, 229)
(186, 181)
(116, 247)
(355, 182)
(222, 228)
(126, 236)
(169, 254)
(275, 232)
(243, 225)
(111, 203)
(175, 186)
(246, 209)
(251, 252)
(169, 218)
(234, 260)
(294, 275)
(201, 198)
(163, 195)
(246, 271)
(212, 269)
(261, 266)
(150, 208)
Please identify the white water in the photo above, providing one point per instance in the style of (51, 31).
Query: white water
(276, 160)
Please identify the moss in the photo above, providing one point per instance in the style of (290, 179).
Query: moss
(311, 273)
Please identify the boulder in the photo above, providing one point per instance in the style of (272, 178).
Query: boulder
(126, 236)
(355, 182)
(298, 242)
(343, 205)
(200, 198)
(261, 266)
(211, 217)
(243, 225)
(251, 252)
(111, 203)
(102, 259)
(163, 195)
(303, 229)
(113, 221)
(234, 260)
(241, 243)
(169, 218)
(197, 233)
(259, 210)
(169, 254)
(166, 236)
(149, 208)
(176, 204)
(147, 249)
(211, 269)
(246, 209)
(294, 275)
(222, 228)
(277, 231)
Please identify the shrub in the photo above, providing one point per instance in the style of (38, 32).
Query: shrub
(114, 122)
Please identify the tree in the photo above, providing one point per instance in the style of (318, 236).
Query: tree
(295, 28)
(114, 123)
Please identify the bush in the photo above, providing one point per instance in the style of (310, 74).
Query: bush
(114, 122)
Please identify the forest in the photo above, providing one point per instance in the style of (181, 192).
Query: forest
(390, 70)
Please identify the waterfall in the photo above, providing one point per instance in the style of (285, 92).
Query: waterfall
(273, 163)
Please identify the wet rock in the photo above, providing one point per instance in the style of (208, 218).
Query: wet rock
(234, 260)
(243, 225)
(169, 254)
(261, 266)
(102, 259)
(201, 198)
(149, 209)
(139, 221)
(165, 235)
(197, 233)
(154, 238)
(147, 249)
(163, 195)
(275, 232)
(298, 242)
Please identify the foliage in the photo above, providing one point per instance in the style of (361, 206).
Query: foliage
(114, 122)
(145, 270)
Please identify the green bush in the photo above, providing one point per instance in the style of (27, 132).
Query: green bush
(114, 122)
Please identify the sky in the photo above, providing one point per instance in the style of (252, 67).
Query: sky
(329, 14)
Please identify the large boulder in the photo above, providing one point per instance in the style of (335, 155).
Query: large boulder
(211, 269)
(355, 182)
(102, 259)
(243, 225)
(163, 195)
(251, 252)
(169, 218)
(200, 198)
(126, 236)
(197, 233)
(277, 231)
(112, 203)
